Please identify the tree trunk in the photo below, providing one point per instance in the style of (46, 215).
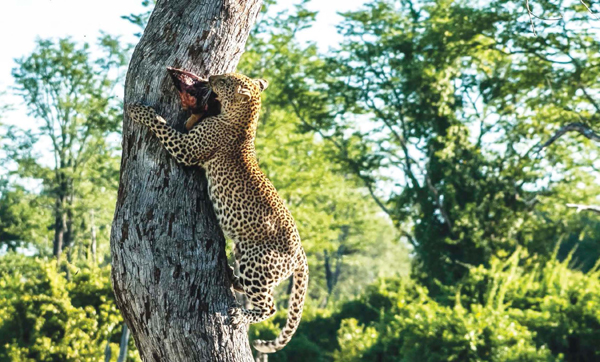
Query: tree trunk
(328, 272)
(123, 344)
(170, 273)
(70, 232)
(93, 245)
(59, 230)
(107, 352)
(60, 217)
(69, 238)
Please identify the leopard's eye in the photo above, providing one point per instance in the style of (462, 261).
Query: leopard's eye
(221, 82)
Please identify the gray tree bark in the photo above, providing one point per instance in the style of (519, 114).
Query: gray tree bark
(170, 273)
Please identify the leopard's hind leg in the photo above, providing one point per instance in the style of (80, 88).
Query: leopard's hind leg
(260, 271)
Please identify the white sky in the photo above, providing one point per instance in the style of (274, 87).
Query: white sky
(22, 21)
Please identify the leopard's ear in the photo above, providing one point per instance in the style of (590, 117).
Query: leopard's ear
(261, 83)
(242, 95)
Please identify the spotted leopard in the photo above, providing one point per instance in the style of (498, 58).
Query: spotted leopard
(248, 208)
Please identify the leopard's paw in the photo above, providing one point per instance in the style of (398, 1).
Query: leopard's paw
(141, 113)
(237, 285)
(236, 316)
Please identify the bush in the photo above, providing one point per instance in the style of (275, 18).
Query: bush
(315, 340)
(521, 309)
(354, 340)
(44, 317)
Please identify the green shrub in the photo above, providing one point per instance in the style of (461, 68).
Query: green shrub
(521, 309)
(426, 331)
(354, 340)
(315, 340)
(44, 317)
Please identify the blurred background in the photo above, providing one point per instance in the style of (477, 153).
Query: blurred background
(441, 159)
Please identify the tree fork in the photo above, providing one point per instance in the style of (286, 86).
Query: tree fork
(169, 266)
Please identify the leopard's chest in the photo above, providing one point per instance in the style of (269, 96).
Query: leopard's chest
(228, 206)
(241, 208)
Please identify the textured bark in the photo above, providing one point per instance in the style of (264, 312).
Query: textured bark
(170, 273)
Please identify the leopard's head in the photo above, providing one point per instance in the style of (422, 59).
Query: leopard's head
(238, 94)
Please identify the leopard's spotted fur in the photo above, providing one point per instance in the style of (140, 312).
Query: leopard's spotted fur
(249, 210)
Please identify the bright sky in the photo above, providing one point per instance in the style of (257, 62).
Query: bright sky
(22, 21)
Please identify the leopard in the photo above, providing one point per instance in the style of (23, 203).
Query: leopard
(267, 245)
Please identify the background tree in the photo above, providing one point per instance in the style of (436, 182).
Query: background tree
(72, 96)
(168, 252)
(438, 107)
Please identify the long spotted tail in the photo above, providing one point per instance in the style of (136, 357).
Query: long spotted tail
(294, 309)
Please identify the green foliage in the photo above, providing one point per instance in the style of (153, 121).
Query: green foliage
(63, 85)
(353, 340)
(44, 317)
(22, 217)
(521, 309)
(517, 310)
(71, 95)
(557, 303)
(437, 108)
(141, 20)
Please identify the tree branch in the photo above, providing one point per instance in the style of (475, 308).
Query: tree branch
(583, 129)
(532, 15)
(581, 208)
(353, 164)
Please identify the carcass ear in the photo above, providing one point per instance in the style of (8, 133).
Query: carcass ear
(242, 95)
(192, 89)
(261, 83)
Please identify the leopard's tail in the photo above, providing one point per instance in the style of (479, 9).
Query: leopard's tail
(294, 309)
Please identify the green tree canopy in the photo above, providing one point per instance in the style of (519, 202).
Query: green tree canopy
(440, 108)
(72, 96)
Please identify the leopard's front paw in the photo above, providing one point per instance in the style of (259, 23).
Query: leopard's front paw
(236, 316)
(141, 113)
